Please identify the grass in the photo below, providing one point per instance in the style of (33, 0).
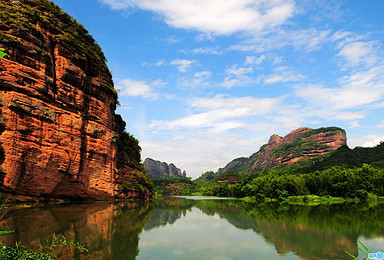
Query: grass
(366, 251)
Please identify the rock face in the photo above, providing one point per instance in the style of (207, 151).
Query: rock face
(57, 107)
(159, 170)
(299, 144)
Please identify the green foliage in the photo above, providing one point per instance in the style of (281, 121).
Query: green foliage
(61, 241)
(174, 186)
(3, 53)
(206, 177)
(296, 148)
(364, 184)
(4, 230)
(129, 145)
(229, 174)
(356, 174)
(19, 252)
(332, 130)
(366, 251)
(138, 181)
(128, 148)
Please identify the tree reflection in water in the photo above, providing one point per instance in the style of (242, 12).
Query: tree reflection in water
(112, 230)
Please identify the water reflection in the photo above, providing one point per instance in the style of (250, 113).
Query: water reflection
(109, 230)
(175, 228)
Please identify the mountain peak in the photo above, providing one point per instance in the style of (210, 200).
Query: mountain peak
(301, 143)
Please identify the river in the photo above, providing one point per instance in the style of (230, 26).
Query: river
(199, 228)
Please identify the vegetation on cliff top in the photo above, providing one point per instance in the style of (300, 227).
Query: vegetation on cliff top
(25, 20)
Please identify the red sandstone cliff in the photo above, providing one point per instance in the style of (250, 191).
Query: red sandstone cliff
(57, 102)
(299, 144)
(296, 145)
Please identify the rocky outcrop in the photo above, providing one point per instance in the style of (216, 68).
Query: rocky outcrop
(159, 170)
(301, 143)
(58, 128)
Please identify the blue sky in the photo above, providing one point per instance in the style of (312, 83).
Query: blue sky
(202, 82)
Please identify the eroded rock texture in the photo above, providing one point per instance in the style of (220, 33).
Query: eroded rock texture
(57, 103)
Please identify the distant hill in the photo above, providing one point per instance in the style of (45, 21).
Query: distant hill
(160, 170)
(302, 143)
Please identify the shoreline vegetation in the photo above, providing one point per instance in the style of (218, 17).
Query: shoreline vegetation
(342, 176)
(338, 184)
(314, 200)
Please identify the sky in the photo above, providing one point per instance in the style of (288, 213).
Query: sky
(202, 82)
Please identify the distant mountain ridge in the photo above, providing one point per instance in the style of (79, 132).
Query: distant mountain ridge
(160, 170)
(301, 143)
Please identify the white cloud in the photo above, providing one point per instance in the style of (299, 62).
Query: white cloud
(359, 52)
(365, 141)
(199, 79)
(182, 65)
(236, 76)
(341, 35)
(373, 140)
(157, 64)
(219, 112)
(304, 40)
(357, 90)
(283, 74)
(207, 50)
(254, 60)
(238, 72)
(337, 98)
(133, 88)
(118, 4)
(203, 74)
(160, 63)
(215, 16)
(205, 37)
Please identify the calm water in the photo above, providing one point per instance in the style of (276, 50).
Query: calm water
(200, 228)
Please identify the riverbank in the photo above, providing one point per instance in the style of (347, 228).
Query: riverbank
(317, 200)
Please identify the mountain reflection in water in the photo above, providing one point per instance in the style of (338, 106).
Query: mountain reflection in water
(175, 228)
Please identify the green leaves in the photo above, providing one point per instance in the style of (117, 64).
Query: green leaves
(4, 230)
(365, 252)
(3, 53)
